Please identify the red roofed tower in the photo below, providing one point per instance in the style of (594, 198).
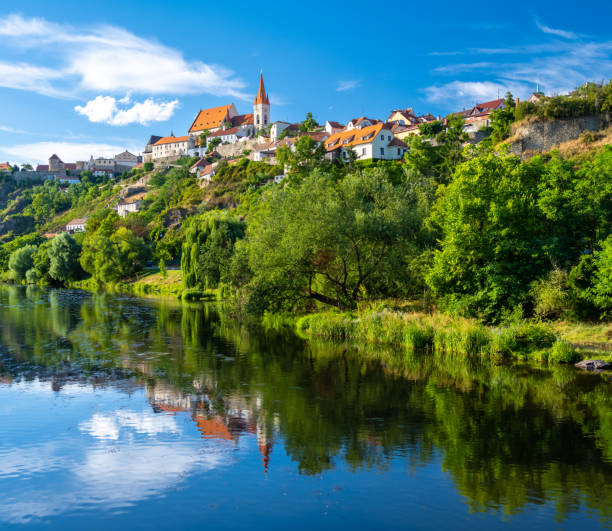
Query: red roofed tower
(261, 107)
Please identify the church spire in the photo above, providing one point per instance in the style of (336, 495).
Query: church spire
(262, 97)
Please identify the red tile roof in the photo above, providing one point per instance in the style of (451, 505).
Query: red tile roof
(200, 164)
(224, 132)
(42, 167)
(396, 142)
(243, 119)
(210, 118)
(5, 166)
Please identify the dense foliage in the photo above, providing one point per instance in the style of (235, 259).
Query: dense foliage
(468, 229)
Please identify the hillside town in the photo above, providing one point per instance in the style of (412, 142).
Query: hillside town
(221, 134)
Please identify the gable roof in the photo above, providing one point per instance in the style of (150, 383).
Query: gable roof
(335, 125)
(54, 157)
(171, 140)
(353, 137)
(243, 119)
(5, 166)
(210, 118)
(200, 164)
(261, 97)
(224, 132)
(481, 108)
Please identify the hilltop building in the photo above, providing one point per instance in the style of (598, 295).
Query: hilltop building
(226, 117)
(480, 115)
(124, 207)
(375, 141)
(172, 146)
(147, 154)
(76, 225)
(56, 165)
(261, 107)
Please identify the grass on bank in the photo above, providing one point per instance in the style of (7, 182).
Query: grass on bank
(443, 334)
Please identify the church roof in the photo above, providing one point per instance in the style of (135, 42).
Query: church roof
(262, 97)
(243, 119)
(210, 118)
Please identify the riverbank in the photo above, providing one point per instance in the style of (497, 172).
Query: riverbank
(410, 328)
(442, 334)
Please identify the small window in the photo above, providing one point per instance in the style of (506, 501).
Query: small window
(399, 151)
(382, 151)
(363, 151)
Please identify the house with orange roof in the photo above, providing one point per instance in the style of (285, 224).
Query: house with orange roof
(375, 141)
(5, 166)
(172, 146)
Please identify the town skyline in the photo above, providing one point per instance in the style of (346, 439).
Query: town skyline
(95, 104)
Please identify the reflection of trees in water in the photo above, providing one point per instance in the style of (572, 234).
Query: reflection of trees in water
(508, 436)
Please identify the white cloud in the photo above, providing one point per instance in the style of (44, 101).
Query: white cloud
(23, 76)
(105, 109)
(108, 426)
(343, 86)
(8, 129)
(557, 32)
(109, 59)
(468, 93)
(557, 66)
(39, 152)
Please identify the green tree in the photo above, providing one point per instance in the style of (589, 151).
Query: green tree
(114, 257)
(309, 123)
(502, 119)
(39, 274)
(21, 261)
(492, 236)
(208, 248)
(331, 242)
(307, 155)
(64, 258)
(602, 282)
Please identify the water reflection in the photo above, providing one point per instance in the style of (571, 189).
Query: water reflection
(219, 395)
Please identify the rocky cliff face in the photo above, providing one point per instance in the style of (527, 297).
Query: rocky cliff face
(543, 135)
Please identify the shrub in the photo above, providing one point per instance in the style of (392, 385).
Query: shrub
(550, 295)
(563, 352)
(192, 294)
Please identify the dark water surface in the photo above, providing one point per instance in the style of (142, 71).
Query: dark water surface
(123, 413)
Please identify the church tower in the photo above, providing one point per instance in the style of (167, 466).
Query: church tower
(261, 107)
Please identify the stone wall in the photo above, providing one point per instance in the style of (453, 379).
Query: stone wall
(543, 135)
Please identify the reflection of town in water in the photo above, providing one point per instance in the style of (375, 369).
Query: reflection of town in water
(236, 417)
(506, 437)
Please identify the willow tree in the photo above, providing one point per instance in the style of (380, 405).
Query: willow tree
(208, 248)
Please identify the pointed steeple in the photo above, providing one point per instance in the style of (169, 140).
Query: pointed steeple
(262, 97)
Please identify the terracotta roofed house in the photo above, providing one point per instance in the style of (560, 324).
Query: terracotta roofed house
(479, 115)
(171, 146)
(371, 142)
(5, 166)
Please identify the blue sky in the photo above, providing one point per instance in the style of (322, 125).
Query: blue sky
(81, 78)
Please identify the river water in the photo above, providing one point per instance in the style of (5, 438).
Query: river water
(124, 413)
